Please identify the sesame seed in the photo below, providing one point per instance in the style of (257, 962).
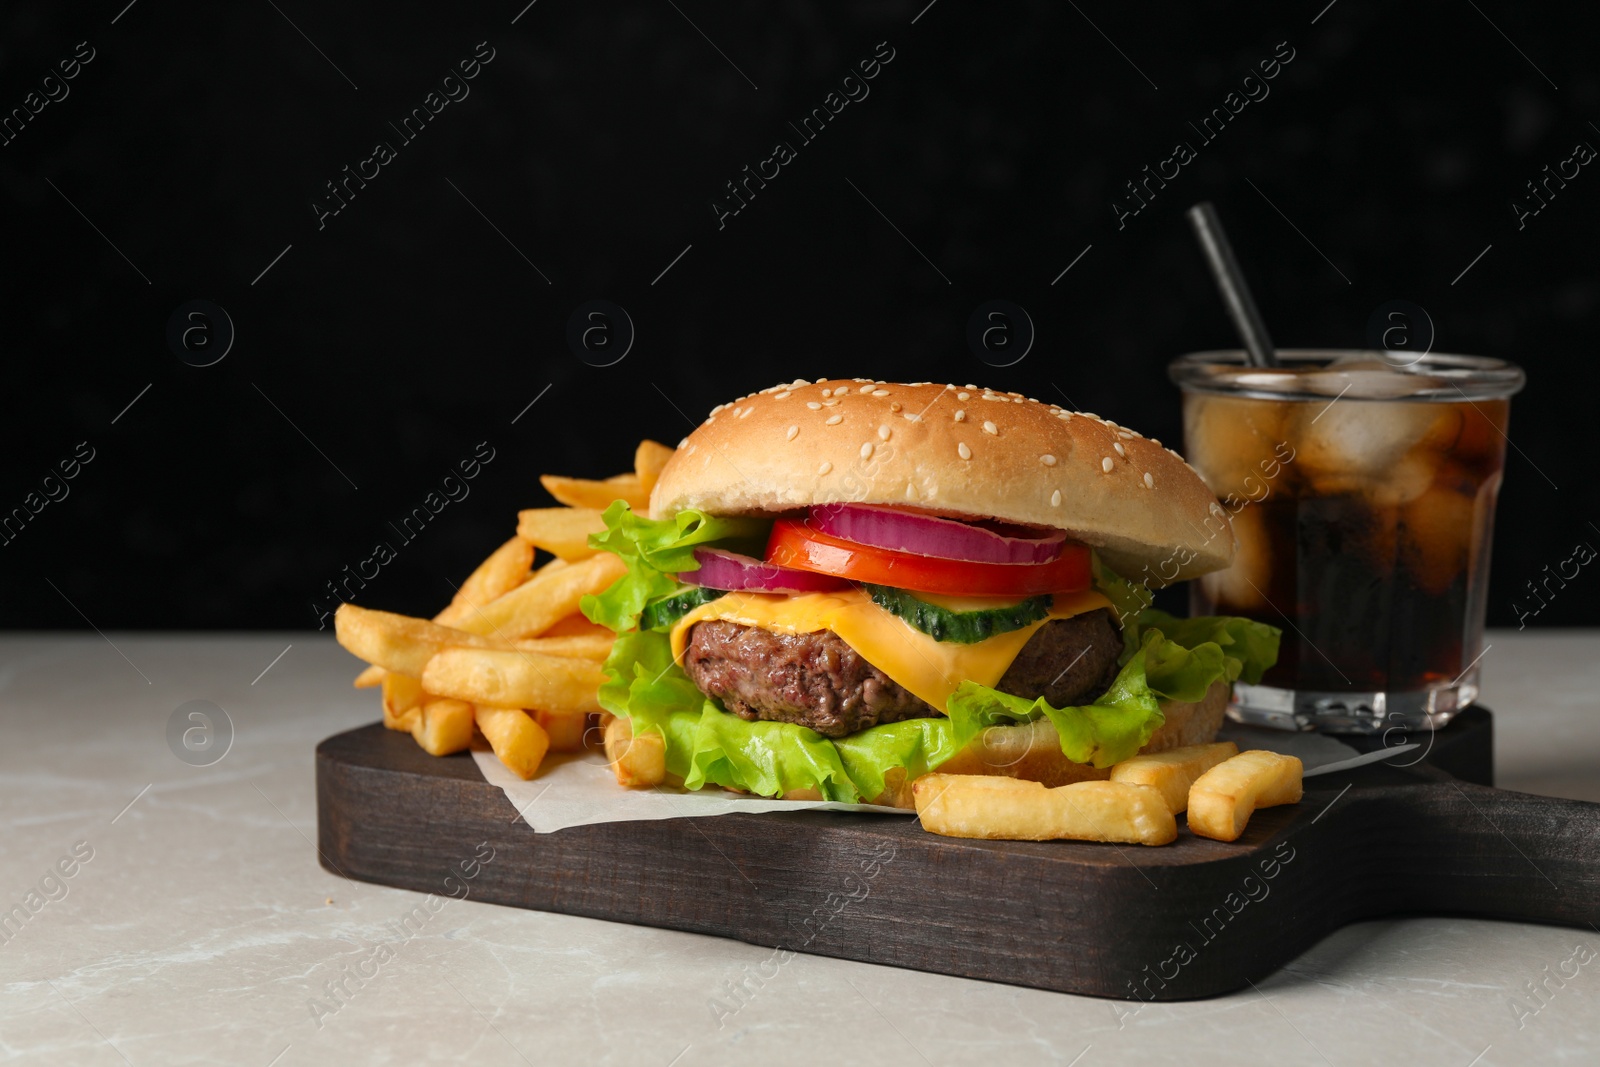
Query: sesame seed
(745, 414)
(883, 433)
(830, 402)
(834, 420)
(683, 442)
(912, 416)
(813, 405)
(781, 396)
(961, 414)
(1126, 435)
(1120, 450)
(794, 431)
(825, 468)
(827, 393)
(963, 451)
(1158, 444)
(911, 491)
(1064, 416)
(1048, 460)
(880, 392)
(963, 396)
(1149, 482)
(865, 389)
(895, 406)
(1106, 464)
(866, 450)
(1016, 395)
(1055, 499)
(988, 428)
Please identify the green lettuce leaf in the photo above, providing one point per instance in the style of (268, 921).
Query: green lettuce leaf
(1128, 599)
(1247, 648)
(1114, 727)
(655, 550)
(706, 744)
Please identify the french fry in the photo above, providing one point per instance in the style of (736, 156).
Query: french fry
(515, 679)
(443, 726)
(576, 625)
(581, 493)
(638, 762)
(566, 731)
(518, 741)
(402, 700)
(580, 646)
(990, 806)
(563, 532)
(399, 643)
(1222, 800)
(648, 459)
(1172, 772)
(506, 568)
(546, 598)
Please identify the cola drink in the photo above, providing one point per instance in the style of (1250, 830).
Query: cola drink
(1361, 494)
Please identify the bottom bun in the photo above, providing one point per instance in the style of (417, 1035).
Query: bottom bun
(1033, 750)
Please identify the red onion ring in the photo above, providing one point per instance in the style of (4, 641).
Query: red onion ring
(721, 569)
(930, 535)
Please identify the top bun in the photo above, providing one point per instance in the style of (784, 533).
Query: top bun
(955, 450)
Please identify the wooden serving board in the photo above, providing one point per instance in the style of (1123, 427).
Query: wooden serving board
(1192, 919)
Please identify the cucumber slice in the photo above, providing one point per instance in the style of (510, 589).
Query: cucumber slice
(663, 613)
(960, 627)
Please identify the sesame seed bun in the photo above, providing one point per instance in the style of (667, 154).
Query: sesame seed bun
(956, 450)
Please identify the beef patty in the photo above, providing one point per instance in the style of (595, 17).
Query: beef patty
(817, 680)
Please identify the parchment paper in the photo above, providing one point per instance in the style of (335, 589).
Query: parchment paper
(579, 789)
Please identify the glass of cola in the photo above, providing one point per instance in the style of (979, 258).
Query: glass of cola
(1360, 487)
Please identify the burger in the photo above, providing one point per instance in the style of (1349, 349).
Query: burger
(843, 585)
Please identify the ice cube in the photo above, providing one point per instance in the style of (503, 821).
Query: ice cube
(1242, 586)
(1233, 441)
(1359, 378)
(1350, 444)
(1437, 537)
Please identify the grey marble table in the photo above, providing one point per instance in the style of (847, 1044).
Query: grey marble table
(195, 925)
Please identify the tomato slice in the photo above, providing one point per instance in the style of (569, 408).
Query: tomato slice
(793, 544)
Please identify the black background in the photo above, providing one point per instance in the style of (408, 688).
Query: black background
(381, 348)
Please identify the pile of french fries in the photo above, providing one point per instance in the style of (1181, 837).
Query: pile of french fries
(1219, 786)
(511, 658)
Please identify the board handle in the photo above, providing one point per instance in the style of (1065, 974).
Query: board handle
(1492, 852)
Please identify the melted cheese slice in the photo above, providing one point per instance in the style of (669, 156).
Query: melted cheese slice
(930, 669)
